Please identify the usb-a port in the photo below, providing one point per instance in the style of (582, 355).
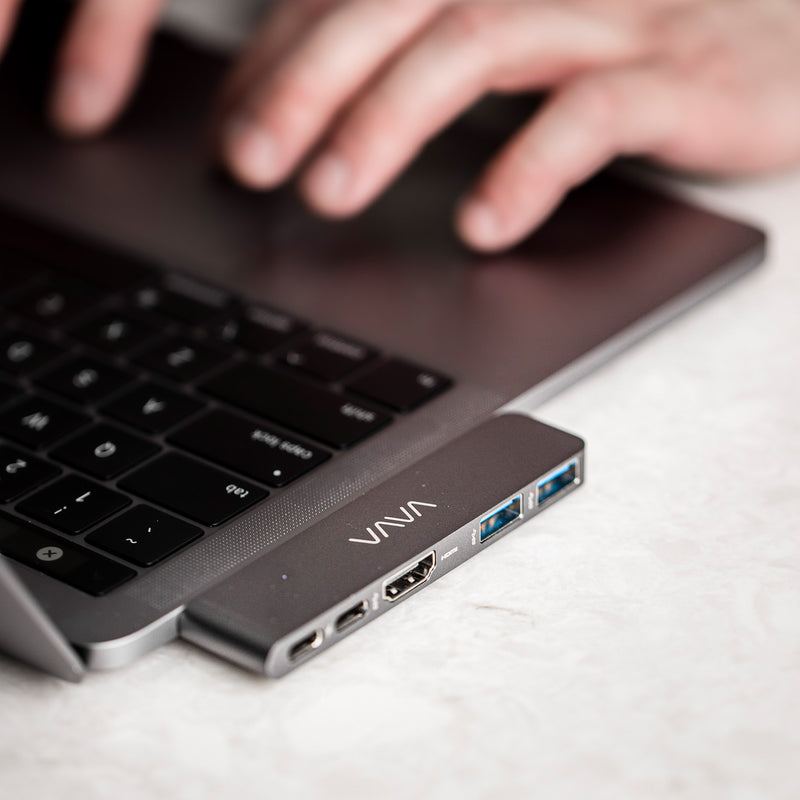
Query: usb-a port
(557, 482)
(501, 518)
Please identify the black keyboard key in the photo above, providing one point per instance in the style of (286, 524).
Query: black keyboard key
(73, 504)
(104, 451)
(62, 560)
(85, 380)
(36, 422)
(54, 303)
(202, 493)
(258, 330)
(250, 448)
(21, 354)
(114, 333)
(180, 359)
(20, 473)
(328, 357)
(183, 300)
(309, 410)
(152, 408)
(399, 385)
(144, 536)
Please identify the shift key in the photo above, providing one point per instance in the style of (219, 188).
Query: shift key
(316, 412)
(207, 495)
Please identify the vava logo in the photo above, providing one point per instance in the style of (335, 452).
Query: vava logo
(410, 513)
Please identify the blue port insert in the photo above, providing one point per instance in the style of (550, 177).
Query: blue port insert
(501, 518)
(557, 482)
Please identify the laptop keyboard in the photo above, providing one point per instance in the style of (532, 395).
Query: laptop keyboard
(141, 410)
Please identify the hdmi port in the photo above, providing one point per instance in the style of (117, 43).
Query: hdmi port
(351, 616)
(409, 579)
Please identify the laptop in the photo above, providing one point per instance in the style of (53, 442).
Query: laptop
(223, 419)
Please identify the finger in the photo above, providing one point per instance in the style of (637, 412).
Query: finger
(586, 124)
(99, 61)
(8, 15)
(280, 30)
(283, 114)
(470, 49)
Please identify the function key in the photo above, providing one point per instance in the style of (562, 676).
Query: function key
(54, 303)
(21, 354)
(310, 410)
(180, 359)
(104, 451)
(202, 493)
(183, 300)
(73, 504)
(36, 422)
(152, 408)
(19, 473)
(114, 333)
(327, 356)
(399, 385)
(63, 560)
(250, 448)
(85, 380)
(258, 330)
(144, 536)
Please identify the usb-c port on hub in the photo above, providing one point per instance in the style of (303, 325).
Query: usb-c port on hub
(306, 646)
(351, 616)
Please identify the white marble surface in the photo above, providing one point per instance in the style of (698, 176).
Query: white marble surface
(640, 640)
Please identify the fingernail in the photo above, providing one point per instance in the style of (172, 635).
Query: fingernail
(328, 181)
(80, 101)
(479, 223)
(252, 151)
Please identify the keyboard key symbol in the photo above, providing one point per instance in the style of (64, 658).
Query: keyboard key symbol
(85, 378)
(148, 298)
(153, 406)
(229, 331)
(115, 331)
(105, 450)
(19, 351)
(49, 553)
(15, 466)
(426, 381)
(36, 421)
(50, 305)
(181, 357)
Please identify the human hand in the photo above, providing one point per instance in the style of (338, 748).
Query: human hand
(709, 85)
(98, 61)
